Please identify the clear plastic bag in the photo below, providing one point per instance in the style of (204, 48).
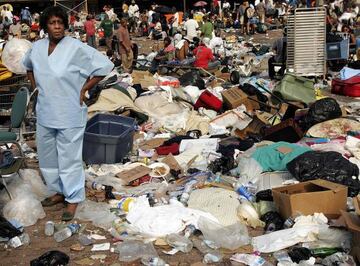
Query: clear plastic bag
(132, 250)
(96, 212)
(24, 208)
(248, 170)
(12, 55)
(229, 237)
(32, 177)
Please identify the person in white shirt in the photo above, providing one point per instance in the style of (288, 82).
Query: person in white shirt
(217, 43)
(134, 15)
(175, 22)
(191, 26)
(226, 6)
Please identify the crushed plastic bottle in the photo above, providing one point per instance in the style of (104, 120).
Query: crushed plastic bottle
(282, 256)
(179, 242)
(250, 259)
(153, 261)
(213, 257)
(18, 241)
(49, 228)
(66, 232)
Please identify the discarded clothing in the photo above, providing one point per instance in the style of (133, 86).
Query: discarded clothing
(276, 156)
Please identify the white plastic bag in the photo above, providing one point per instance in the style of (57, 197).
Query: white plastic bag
(13, 53)
(230, 237)
(25, 208)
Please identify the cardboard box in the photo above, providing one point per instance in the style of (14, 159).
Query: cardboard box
(235, 97)
(309, 197)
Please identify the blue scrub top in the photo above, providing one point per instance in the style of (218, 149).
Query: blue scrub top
(60, 77)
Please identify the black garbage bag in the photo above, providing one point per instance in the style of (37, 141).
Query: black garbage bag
(320, 111)
(51, 258)
(331, 166)
(7, 230)
(273, 221)
(223, 165)
(299, 254)
(264, 195)
(192, 78)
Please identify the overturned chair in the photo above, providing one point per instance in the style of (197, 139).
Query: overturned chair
(18, 111)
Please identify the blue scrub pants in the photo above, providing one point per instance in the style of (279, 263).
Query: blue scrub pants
(60, 160)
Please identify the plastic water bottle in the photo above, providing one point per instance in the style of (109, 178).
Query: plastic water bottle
(21, 240)
(66, 232)
(187, 190)
(49, 228)
(179, 242)
(94, 185)
(243, 191)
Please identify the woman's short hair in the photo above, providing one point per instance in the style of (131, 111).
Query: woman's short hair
(53, 11)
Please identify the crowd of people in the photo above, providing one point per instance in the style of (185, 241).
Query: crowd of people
(191, 37)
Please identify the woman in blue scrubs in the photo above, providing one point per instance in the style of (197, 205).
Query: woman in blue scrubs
(63, 69)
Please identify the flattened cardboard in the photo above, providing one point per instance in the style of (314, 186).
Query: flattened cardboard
(309, 197)
(134, 173)
(152, 143)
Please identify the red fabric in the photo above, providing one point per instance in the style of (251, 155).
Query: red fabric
(89, 27)
(216, 3)
(203, 56)
(165, 150)
(208, 101)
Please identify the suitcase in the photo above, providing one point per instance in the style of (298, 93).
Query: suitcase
(294, 88)
(287, 130)
(208, 101)
(349, 87)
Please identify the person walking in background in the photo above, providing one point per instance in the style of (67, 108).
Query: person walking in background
(134, 15)
(25, 16)
(207, 28)
(108, 26)
(89, 28)
(260, 10)
(125, 46)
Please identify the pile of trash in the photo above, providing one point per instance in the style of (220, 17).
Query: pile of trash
(236, 171)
